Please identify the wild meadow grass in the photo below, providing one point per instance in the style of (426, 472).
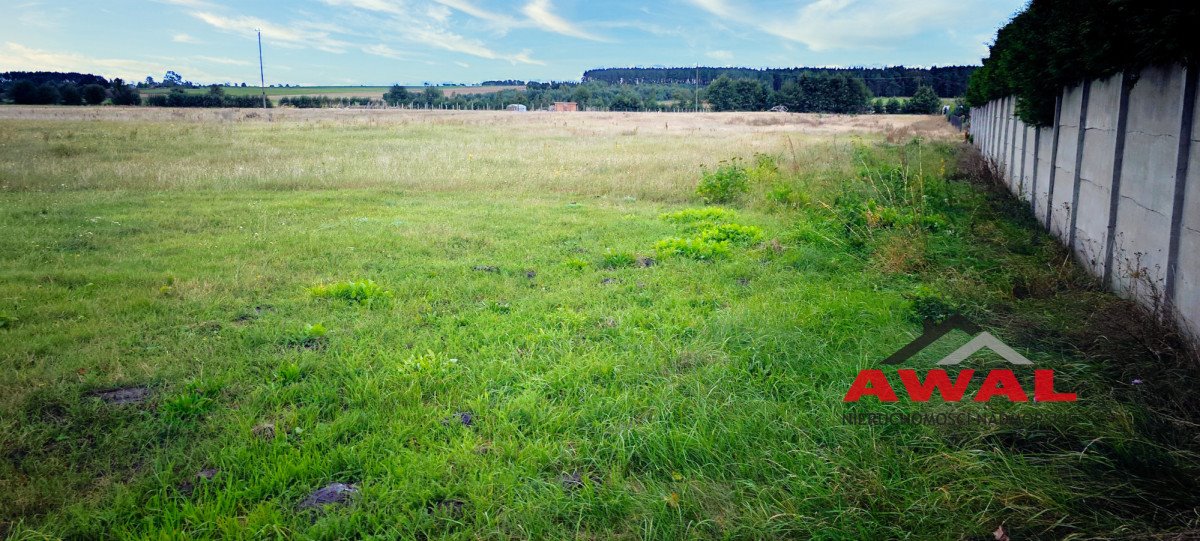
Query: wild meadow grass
(481, 335)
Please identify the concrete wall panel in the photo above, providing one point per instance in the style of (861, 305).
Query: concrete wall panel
(1148, 182)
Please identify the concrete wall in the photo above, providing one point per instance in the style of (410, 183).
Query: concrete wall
(1116, 178)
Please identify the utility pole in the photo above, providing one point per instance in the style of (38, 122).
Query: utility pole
(697, 91)
(262, 77)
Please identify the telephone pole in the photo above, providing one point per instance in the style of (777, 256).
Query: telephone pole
(262, 77)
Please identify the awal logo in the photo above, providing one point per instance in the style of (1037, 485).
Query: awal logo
(1001, 382)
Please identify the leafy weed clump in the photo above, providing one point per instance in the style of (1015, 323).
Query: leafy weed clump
(312, 337)
(616, 260)
(196, 400)
(713, 234)
(738, 235)
(692, 248)
(362, 292)
(725, 183)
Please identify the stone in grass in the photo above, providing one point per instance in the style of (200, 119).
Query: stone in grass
(573, 481)
(207, 474)
(331, 494)
(645, 261)
(451, 507)
(485, 268)
(607, 281)
(264, 431)
(531, 274)
(464, 418)
(123, 396)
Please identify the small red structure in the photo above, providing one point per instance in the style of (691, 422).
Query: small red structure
(565, 106)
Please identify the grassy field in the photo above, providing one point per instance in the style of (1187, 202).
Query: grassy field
(530, 357)
(275, 93)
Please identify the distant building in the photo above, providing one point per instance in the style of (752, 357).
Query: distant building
(516, 108)
(565, 107)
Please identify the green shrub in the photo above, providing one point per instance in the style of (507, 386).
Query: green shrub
(575, 263)
(289, 373)
(724, 184)
(702, 217)
(312, 337)
(739, 235)
(363, 292)
(615, 260)
(692, 248)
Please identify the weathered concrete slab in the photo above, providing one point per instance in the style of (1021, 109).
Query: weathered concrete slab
(1148, 183)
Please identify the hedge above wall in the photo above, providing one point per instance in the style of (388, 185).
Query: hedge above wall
(1058, 43)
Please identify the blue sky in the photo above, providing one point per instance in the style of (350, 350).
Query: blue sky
(349, 42)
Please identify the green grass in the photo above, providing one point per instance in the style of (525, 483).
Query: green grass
(687, 398)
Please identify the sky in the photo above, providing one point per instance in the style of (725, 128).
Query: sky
(376, 42)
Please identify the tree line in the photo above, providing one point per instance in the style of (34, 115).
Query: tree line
(64, 88)
(895, 81)
(1054, 44)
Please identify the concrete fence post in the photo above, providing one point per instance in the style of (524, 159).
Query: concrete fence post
(1183, 154)
(1083, 114)
(1037, 147)
(1024, 153)
(1114, 199)
(1012, 146)
(1058, 102)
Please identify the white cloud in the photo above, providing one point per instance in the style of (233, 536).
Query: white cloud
(21, 58)
(719, 55)
(225, 61)
(431, 31)
(541, 13)
(184, 38)
(312, 35)
(380, 49)
(844, 24)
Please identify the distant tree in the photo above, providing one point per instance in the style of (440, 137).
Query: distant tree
(69, 94)
(626, 101)
(149, 81)
(431, 96)
(123, 94)
(94, 94)
(721, 94)
(581, 95)
(46, 94)
(790, 95)
(878, 107)
(924, 102)
(243, 85)
(397, 95)
(172, 79)
(216, 90)
(23, 92)
(894, 107)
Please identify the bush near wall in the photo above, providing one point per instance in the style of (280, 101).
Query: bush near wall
(1059, 43)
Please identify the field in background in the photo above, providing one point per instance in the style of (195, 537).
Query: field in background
(531, 362)
(275, 93)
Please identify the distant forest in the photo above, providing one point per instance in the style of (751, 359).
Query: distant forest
(897, 81)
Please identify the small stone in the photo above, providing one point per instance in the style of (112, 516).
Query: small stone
(645, 262)
(485, 268)
(332, 494)
(123, 396)
(451, 507)
(464, 418)
(607, 281)
(265, 431)
(571, 481)
(531, 274)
